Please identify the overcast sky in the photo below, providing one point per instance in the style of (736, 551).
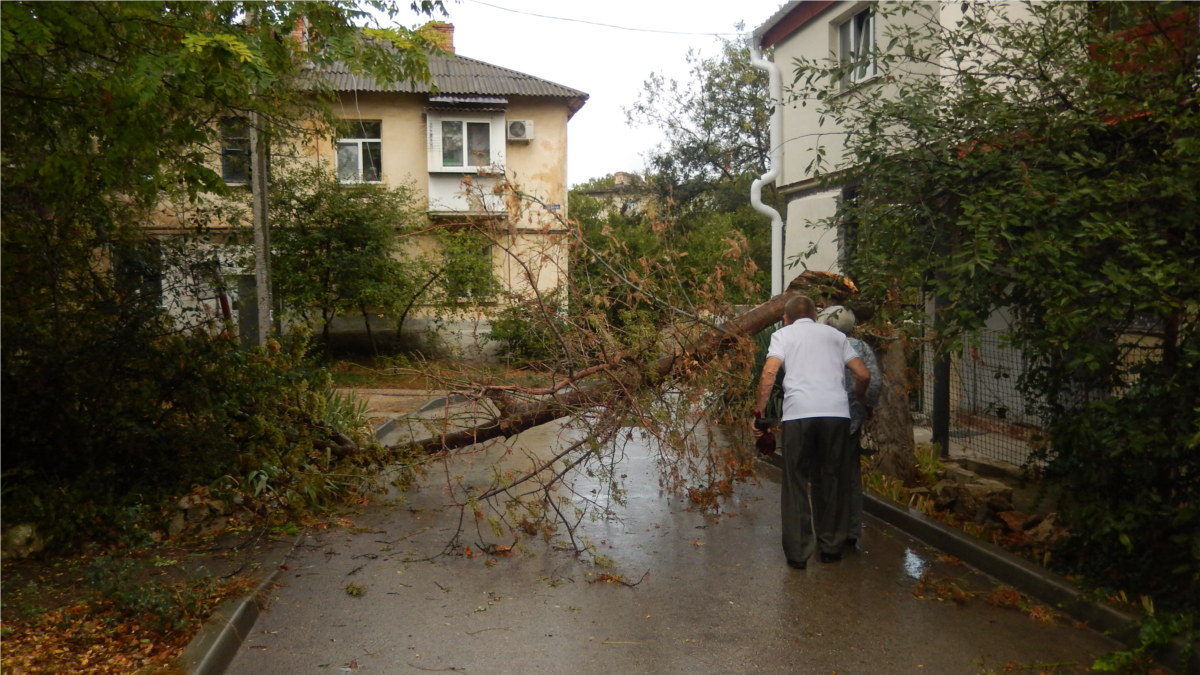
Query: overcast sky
(608, 63)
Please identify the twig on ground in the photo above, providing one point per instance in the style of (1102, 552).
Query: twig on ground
(476, 632)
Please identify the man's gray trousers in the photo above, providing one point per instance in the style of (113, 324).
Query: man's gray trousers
(814, 452)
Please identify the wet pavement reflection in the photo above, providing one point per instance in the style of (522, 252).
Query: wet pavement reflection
(715, 594)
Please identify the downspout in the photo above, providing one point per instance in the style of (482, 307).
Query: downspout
(776, 87)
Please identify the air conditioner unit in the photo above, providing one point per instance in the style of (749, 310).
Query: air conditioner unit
(520, 130)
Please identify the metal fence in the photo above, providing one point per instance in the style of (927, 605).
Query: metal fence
(988, 417)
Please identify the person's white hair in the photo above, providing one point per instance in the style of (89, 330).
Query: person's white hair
(837, 316)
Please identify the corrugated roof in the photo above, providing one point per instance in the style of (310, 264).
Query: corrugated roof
(455, 74)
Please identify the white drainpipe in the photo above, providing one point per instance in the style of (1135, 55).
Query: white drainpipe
(772, 173)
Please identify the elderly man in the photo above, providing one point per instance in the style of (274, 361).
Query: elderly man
(843, 319)
(816, 426)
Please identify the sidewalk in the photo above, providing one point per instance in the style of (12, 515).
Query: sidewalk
(718, 598)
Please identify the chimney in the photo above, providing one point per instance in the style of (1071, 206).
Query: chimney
(441, 33)
(300, 33)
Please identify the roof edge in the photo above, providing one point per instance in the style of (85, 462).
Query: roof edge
(788, 20)
(576, 94)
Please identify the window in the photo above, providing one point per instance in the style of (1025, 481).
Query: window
(477, 151)
(856, 47)
(235, 150)
(359, 157)
(465, 141)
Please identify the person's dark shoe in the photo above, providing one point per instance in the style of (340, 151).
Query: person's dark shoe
(798, 565)
(851, 543)
(830, 557)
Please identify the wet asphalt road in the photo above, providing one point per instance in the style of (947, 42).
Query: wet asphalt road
(718, 598)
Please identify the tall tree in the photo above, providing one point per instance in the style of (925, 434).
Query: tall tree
(111, 110)
(716, 142)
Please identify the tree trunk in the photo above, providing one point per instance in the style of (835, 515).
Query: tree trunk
(892, 426)
(367, 323)
(327, 317)
(407, 308)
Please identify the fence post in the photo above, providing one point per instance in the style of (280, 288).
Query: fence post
(941, 402)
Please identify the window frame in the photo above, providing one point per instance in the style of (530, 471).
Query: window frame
(495, 135)
(854, 27)
(466, 123)
(359, 141)
(231, 148)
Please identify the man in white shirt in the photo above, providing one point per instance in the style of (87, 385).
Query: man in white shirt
(816, 424)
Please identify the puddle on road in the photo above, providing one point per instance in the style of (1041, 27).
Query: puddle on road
(913, 564)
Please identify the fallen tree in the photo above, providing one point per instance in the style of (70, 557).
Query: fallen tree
(629, 351)
(589, 388)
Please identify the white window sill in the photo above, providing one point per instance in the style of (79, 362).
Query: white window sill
(443, 213)
(470, 170)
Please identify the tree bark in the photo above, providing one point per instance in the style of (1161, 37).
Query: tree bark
(367, 325)
(892, 426)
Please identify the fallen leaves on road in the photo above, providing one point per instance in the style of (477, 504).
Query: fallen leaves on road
(1005, 596)
(618, 579)
(93, 638)
(944, 588)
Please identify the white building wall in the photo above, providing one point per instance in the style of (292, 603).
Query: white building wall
(803, 231)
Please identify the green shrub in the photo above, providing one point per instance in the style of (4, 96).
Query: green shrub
(1130, 470)
(155, 605)
(524, 334)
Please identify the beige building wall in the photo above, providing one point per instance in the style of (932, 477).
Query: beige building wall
(530, 249)
(402, 133)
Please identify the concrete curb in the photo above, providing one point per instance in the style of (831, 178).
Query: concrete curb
(218, 641)
(432, 404)
(1014, 571)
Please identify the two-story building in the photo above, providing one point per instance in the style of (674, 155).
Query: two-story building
(817, 31)
(820, 31)
(484, 126)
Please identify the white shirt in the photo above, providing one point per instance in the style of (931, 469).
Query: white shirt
(814, 358)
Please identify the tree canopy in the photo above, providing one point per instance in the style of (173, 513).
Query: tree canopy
(716, 142)
(1042, 160)
(110, 110)
(356, 250)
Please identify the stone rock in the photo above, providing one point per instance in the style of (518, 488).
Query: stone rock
(216, 506)
(983, 515)
(1015, 520)
(187, 502)
(1048, 531)
(176, 526)
(919, 491)
(945, 494)
(998, 504)
(960, 475)
(20, 541)
(197, 513)
(157, 536)
(213, 526)
(1032, 521)
(972, 496)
